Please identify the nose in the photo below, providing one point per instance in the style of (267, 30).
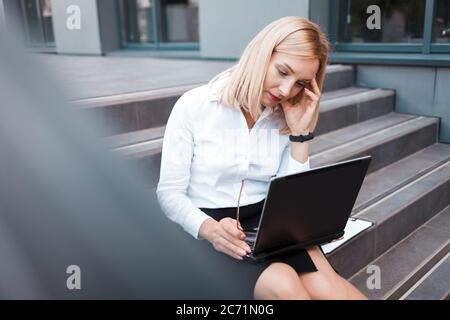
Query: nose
(285, 88)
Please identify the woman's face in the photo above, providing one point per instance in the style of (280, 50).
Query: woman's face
(286, 76)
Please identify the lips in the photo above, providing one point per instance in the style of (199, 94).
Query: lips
(274, 98)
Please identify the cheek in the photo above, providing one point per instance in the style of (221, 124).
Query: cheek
(270, 81)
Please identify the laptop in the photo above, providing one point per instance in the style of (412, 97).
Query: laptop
(307, 208)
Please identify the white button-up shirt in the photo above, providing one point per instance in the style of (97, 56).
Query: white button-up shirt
(208, 150)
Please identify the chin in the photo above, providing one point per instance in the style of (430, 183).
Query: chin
(270, 104)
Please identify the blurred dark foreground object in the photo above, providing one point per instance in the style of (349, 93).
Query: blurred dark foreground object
(65, 200)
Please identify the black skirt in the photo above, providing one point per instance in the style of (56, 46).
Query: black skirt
(299, 259)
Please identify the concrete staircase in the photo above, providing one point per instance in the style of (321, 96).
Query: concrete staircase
(406, 193)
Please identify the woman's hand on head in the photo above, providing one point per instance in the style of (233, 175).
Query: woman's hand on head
(299, 116)
(225, 237)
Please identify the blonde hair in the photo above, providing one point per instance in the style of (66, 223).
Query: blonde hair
(291, 35)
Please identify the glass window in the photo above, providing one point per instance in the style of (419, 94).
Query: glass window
(47, 22)
(179, 21)
(38, 22)
(441, 23)
(32, 22)
(401, 21)
(137, 21)
(170, 21)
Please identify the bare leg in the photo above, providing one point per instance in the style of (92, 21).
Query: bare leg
(280, 281)
(326, 284)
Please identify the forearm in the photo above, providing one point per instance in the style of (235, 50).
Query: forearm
(300, 151)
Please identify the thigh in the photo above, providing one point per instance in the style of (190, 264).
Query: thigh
(325, 283)
(320, 261)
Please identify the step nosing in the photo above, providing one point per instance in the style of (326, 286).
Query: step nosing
(425, 276)
(379, 133)
(338, 68)
(406, 186)
(403, 183)
(356, 97)
(132, 97)
(143, 144)
(423, 267)
(436, 254)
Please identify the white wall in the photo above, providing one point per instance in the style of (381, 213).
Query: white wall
(227, 26)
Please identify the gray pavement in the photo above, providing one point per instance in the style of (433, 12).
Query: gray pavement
(93, 76)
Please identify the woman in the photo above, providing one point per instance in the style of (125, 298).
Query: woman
(225, 140)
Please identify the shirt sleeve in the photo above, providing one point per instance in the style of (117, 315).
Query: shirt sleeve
(176, 158)
(289, 165)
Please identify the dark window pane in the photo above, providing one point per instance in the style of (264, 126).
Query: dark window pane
(401, 21)
(179, 21)
(47, 24)
(137, 21)
(441, 24)
(37, 15)
(33, 22)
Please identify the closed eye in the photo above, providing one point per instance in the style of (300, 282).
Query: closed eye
(282, 73)
(300, 84)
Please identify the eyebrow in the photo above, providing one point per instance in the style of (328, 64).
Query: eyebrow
(287, 66)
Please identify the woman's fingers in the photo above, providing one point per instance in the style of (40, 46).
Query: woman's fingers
(230, 226)
(311, 94)
(234, 235)
(224, 245)
(236, 249)
(236, 243)
(315, 87)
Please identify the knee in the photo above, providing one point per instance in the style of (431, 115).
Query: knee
(327, 287)
(281, 283)
(277, 290)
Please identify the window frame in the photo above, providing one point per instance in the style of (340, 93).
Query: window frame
(156, 44)
(427, 46)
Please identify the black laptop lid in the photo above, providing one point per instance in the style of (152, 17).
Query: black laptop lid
(310, 205)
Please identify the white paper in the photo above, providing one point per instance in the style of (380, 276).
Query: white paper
(354, 227)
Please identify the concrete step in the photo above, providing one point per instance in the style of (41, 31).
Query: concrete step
(405, 208)
(345, 107)
(389, 179)
(132, 111)
(128, 139)
(419, 255)
(342, 92)
(435, 285)
(338, 77)
(136, 111)
(387, 139)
